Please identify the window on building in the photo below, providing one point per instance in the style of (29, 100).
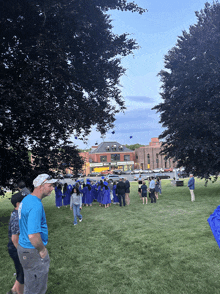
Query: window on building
(126, 157)
(115, 157)
(157, 160)
(114, 147)
(165, 162)
(148, 158)
(103, 158)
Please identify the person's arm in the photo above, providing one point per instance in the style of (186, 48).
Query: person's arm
(189, 183)
(34, 228)
(36, 241)
(14, 239)
(80, 201)
(14, 223)
(71, 202)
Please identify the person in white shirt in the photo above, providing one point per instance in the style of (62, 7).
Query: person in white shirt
(152, 191)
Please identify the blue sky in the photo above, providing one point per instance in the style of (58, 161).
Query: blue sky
(156, 32)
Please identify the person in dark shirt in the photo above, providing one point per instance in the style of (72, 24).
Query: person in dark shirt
(120, 191)
(144, 192)
(23, 189)
(13, 234)
(127, 191)
(140, 182)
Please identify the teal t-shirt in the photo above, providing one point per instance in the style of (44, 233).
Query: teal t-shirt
(32, 220)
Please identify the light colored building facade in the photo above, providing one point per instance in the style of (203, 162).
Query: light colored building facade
(149, 157)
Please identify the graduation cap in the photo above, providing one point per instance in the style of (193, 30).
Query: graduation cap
(131, 137)
(214, 222)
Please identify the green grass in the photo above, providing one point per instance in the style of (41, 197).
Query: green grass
(166, 247)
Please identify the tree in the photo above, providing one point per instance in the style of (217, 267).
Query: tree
(134, 146)
(59, 74)
(190, 111)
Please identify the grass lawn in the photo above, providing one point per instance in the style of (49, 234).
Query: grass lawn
(166, 247)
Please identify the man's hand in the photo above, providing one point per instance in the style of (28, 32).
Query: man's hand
(43, 253)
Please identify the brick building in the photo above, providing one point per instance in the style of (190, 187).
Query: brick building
(111, 156)
(149, 157)
(85, 167)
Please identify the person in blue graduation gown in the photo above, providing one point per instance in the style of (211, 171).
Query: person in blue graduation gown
(58, 195)
(94, 191)
(106, 196)
(115, 197)
(67, 189)
(89, 198)
(100, 192)
(84, 190)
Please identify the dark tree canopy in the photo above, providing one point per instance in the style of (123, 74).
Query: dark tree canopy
(190, 111)
(59, 74)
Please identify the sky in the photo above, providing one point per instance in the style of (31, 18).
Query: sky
(156, 32)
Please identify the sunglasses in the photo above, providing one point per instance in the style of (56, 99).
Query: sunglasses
(47, 179)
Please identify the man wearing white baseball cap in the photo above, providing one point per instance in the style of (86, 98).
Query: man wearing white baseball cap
(33, 236)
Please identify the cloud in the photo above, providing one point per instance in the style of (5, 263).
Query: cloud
(138, 121)
(142, 99)
(137, 115)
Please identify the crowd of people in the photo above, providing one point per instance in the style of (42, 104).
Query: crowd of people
(104, 192)
(28, 232)
(154, 189)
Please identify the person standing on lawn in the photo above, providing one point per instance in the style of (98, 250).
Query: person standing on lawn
(120, 191)
(33, 236)
(140, 182)
(152, 190)
(115, 197)
(191, 185)
(157, 188)
(160, 187)
(23, 189)
(89, 197)
(76, 203)
(127, 191)
(106, 196)
(13, 234)
(144, 192)
(58, 195)
(110, 185)
(67, 189)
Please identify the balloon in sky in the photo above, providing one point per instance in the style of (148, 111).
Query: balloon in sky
(131, 137)
(76, 138)
(113, 132)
